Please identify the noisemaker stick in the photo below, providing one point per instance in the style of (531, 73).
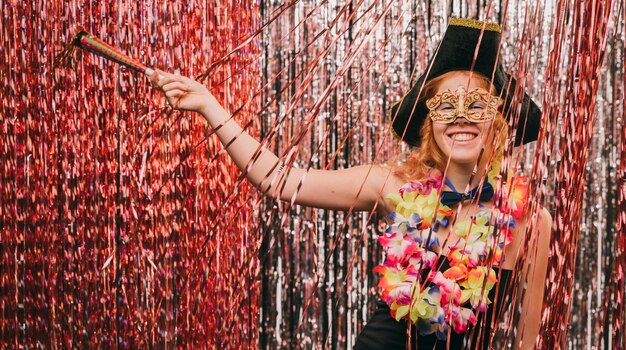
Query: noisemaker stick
(93, 44)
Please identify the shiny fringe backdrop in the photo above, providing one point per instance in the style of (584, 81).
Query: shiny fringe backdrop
(115, 232)
(124, 224)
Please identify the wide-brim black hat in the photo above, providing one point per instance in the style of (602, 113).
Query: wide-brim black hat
(456, 53)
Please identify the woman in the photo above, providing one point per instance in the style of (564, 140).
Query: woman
(449, 254)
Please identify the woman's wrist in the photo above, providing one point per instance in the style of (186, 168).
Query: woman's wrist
(214, 113)
(210, 109)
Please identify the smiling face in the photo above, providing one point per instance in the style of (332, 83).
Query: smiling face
(457, 99)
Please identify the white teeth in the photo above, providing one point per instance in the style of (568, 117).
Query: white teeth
(462, 136)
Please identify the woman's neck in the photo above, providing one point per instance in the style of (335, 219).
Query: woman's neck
(461, 174)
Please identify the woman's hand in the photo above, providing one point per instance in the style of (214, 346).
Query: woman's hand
(181, 92)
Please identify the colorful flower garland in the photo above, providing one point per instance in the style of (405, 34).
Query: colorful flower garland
(434, 300)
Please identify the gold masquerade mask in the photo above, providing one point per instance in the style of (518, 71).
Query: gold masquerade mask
(478, 106)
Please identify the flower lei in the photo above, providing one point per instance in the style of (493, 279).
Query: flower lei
(435, 300)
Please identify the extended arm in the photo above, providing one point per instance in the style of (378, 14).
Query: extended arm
(357, 187)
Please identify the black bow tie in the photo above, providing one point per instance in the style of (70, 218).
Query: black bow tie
(451, 198)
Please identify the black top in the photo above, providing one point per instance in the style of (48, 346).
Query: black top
(384, 332)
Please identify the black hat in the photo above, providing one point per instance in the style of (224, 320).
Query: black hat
(456, 53)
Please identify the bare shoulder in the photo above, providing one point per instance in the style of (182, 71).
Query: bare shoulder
(539, 235)
(542, 226)
(387, 182)
(545, 218)
(545, 225)
(542, 217)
